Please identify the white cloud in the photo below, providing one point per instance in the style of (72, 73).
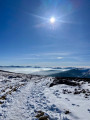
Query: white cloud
(59, 57)
(50, 54)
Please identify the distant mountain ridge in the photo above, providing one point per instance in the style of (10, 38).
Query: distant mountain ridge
(50, 71)
(77, 72)
(12, 66)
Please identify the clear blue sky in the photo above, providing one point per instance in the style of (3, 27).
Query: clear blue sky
(28, 38)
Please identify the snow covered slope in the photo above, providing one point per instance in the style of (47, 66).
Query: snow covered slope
(29, 97)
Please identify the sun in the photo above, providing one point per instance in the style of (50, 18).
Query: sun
(52, 20)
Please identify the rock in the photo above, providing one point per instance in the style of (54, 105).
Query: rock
(40, 113)
(67, 112)
(83, 91)
(3, 97)
(44, 118)
(1, 102)
(41, 116)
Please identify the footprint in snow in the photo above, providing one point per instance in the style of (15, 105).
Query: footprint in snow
(67, 99)
(53, 108)
(89, 110)
(56, 93)
(75, 105)
(4, 106)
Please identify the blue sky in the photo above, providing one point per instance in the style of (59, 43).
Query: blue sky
(28, 38)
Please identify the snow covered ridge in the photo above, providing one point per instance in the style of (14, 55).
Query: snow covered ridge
(34, 97)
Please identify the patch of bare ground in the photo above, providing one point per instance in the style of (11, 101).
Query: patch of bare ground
(75, 82)
(11, 90)
(41, 116)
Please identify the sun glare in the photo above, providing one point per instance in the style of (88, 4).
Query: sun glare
(52, 20)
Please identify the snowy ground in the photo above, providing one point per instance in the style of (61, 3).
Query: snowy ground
(21, 96)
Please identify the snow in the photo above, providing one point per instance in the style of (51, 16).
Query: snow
(76, 104)
(34, 94)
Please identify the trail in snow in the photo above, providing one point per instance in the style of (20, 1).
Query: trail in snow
(23, 104)
(36, 95)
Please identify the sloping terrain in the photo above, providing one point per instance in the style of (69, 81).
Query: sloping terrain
(29, 97)
(77, 72)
